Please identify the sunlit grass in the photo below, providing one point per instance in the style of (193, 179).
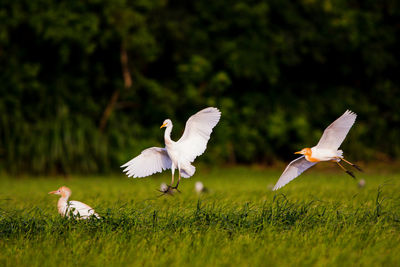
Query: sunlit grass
(321, 218)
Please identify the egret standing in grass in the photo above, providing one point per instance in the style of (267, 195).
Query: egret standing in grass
(72, 208)
(176, 155)
(325, 150)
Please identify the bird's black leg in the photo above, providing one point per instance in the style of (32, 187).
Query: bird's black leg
(352, 164)
(169, 188)
(177, 183)
(347, 171)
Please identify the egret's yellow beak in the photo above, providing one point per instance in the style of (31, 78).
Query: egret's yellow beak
(298, 152)
(165, 124)
(53, 192)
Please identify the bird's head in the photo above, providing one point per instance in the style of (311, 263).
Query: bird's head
(166, 123)
(304, 151)
(63, 191)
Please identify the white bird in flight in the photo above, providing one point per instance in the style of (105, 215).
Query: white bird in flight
(325, 150)
(72, 208)
(176, 155)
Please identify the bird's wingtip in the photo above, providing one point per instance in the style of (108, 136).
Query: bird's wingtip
(213, 109)
(349, 112)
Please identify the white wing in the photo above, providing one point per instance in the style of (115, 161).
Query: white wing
(294, 169)
(80, 210)
(151, 160)
(334, 135)
(197, 132)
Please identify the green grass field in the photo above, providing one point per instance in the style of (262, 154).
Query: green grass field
(322, 218)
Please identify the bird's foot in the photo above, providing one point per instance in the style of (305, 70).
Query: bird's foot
(351, 174)
(169, 190)
(357, 167)
(175, 188)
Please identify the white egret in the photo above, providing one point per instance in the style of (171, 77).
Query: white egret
(72, 208)
(325, 150)
(176, 155)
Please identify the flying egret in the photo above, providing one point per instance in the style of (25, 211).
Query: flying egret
(176, 155)
(325, 150)
(72, 208)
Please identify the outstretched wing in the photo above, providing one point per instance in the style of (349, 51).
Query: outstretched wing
(294, 169)
(336, 132)
(197, 132)
(151, 160)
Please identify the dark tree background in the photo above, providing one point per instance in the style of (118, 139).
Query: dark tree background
(85, 85)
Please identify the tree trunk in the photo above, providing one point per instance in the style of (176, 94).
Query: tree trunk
(114, 97)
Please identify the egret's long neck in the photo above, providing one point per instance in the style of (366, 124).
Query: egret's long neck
(62, 205)
(167, 135)
(63, 198)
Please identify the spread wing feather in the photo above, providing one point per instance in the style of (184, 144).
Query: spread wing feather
(151, 160)
(334, 135)
(294, 169)
(197, 132)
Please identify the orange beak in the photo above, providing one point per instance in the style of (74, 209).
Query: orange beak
(165, 124)
(298, 152)
(53, 192)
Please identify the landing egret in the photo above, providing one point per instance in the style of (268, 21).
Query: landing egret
(325, 150)
(176, 155)
(72, 208)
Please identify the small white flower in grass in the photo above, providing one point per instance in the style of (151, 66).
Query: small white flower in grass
(163, 187)
(361, 183)
(200, 188)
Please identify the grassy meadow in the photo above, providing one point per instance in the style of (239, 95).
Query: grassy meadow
(322, 218)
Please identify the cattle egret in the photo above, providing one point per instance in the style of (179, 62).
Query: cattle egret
(72, 208)
(325, 150)
(176, 155)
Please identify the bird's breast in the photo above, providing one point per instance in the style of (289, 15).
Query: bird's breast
(311, 159)
(172, 151)
(321, 155)
(62, 206)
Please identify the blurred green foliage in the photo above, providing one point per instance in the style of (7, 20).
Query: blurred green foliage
(280, 71)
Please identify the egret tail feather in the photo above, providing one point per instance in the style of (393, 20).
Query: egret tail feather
(188, 171)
